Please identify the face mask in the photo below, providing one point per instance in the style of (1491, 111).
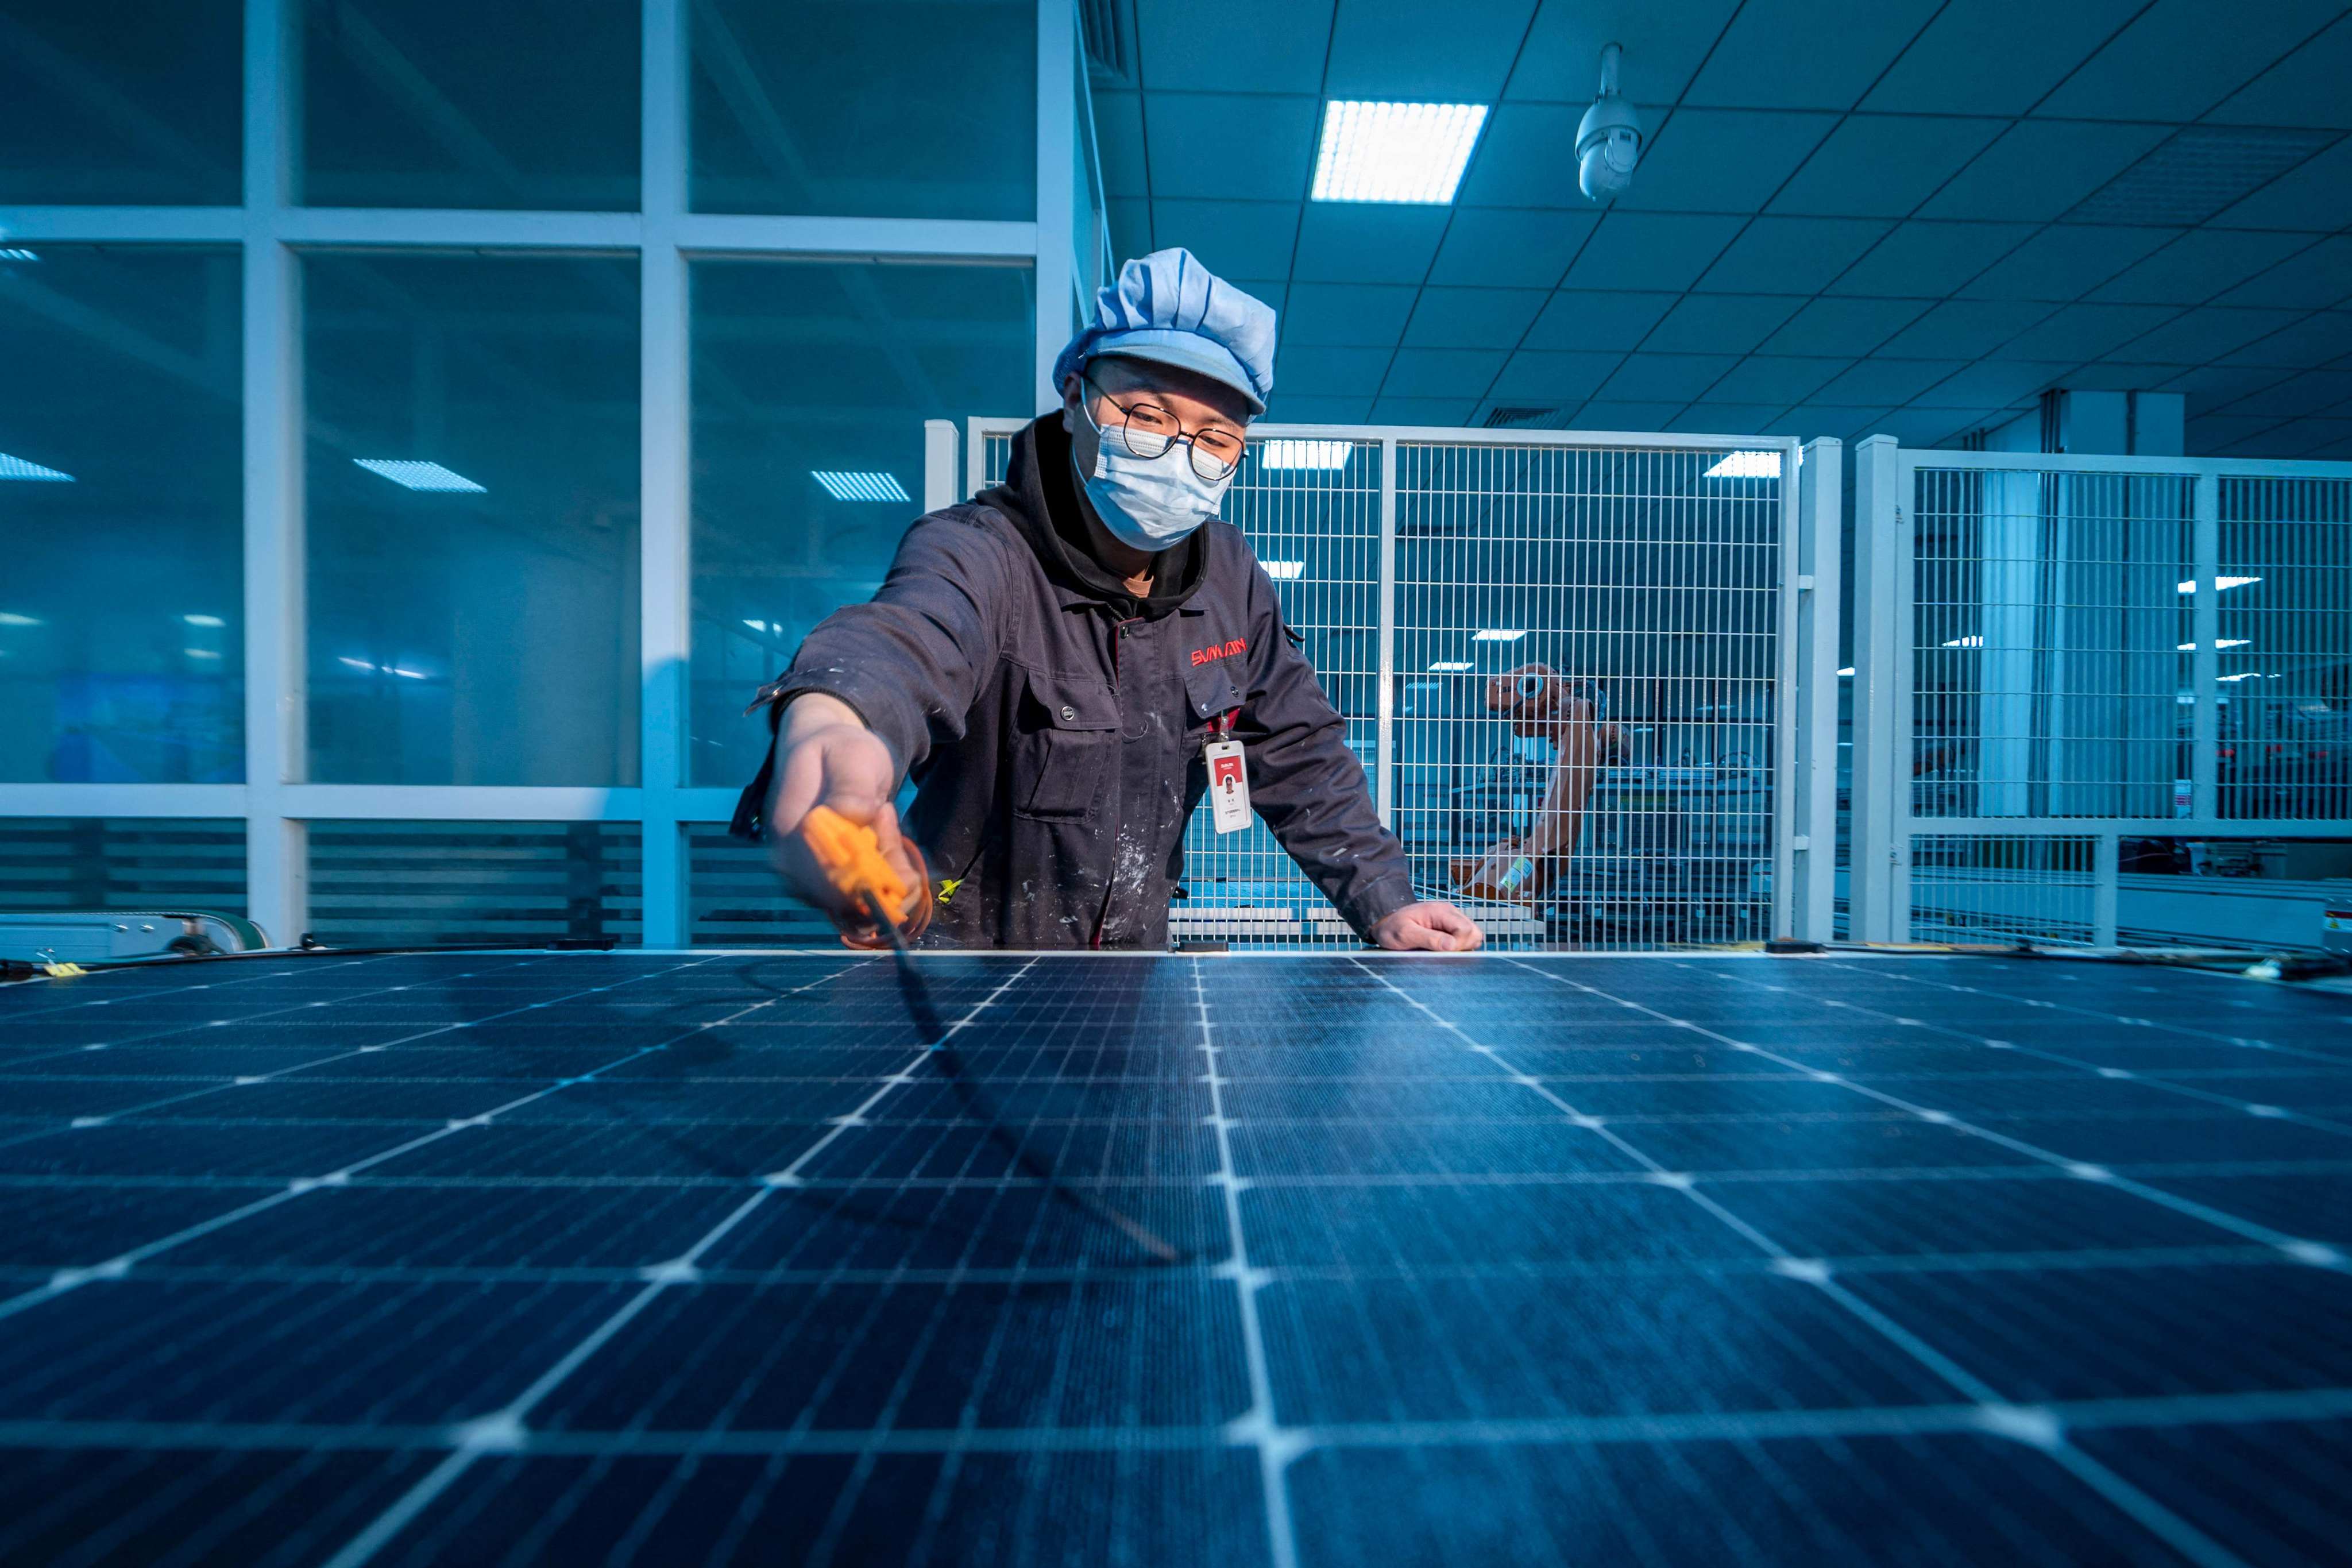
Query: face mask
(1148, 503)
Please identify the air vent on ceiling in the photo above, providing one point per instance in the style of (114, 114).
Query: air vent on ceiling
(1522, 418)
(2197, 173)
(1104, 26)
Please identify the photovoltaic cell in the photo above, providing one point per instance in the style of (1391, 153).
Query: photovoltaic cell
(707, 1258)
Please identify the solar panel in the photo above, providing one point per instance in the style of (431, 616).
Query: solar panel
(704, 1259)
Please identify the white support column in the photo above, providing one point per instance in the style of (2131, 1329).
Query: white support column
(2105, 860)
(1384, 733)
(939, 464)
(1812, 782)
(1881, 604)
(2205, 662)
(665, 544)
(1057, 130)
(276, 696)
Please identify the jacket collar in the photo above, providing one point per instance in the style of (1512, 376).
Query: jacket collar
(1040, 494)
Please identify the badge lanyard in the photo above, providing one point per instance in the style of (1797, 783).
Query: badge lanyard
(1228, 776)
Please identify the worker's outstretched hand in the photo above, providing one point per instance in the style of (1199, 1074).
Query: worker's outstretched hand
(827, 757)
(1428, 927)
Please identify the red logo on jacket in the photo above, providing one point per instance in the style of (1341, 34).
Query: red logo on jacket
(1226, 650)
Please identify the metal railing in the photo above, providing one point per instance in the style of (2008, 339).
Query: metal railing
(1593, 653)
(2076, 674)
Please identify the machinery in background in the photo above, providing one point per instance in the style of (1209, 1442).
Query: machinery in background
(116, 936)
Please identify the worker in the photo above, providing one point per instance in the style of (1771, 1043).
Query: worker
(1057, 662)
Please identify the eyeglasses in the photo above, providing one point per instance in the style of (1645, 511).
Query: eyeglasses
(1148, 431)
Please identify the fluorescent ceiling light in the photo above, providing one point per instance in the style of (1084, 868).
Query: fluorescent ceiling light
(1451, 667)
(411, 474)
(17, 253)
(2250, 675)
(757, 626)
(1971, 640)
(411, 674)
(11, 618)
(1395, 152)
(355, 663)
(203, 620)
(1846, 671)
(1284, 570)
(2217, 642)
(18, 468)
(1746, 465)
(2221, 584)
(1493, 633)
(861, 486)
(201, 652)
(1294, 454)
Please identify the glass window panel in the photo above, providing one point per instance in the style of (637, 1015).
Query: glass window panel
(802, 368)
(866, 108)
(473, 602)
(121, 626)
(441, 103)
(467, 883)
(121, 101)
(50, 863)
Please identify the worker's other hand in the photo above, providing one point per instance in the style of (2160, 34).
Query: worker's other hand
(1431, 926)
(827, 757)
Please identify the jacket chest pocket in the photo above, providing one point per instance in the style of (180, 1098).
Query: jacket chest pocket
(1069, 732)
(1209, 694)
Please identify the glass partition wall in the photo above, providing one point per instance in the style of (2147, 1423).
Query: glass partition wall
(444, 420)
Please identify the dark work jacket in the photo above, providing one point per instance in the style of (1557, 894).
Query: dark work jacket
(1054, 724)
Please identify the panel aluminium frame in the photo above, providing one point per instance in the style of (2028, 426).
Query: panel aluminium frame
(1805, 710)
(274, 231)
(1886, 820)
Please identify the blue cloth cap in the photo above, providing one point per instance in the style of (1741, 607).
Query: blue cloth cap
(1169, 309)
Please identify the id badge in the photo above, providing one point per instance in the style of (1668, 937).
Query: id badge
(1228, 786)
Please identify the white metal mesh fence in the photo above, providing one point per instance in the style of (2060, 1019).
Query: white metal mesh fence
(2000, 887)
(2285, 600)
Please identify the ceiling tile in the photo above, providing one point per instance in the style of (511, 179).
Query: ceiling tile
(1288, 410)
(1964, 328)
(2313, 339)
(1367, 242)
(1130, 227)
(2195, 336)
(2312, 392)
(2291, 439)
(1632, 417)
(2084, 332)
(1331, 373)
(1351, 315)
(1993, 384)
(2216, 433)
(1778, 379)
(2198, 266)
(1233, 45)
(1847, 327)
(1721, 323)
(1223, 145)
(2111, 375)
(1493, 247)
(1577, 319)
(1883, 166)
(2179, 57)
(1389, 49)
(1233, 239)
(1875, 382)
(1923, 260)
(1927, 427)
(1442, 373)
(1664, 45)
(1424, 410)
(2039, 168)
(2315, 198)
(2209, 387)
(2311, 280)
(1646, 377)
(2307, 88)
(1715, 160)
(2065, 261)
(1807, 54)
(1473, 318)
(1119, 136)
(1726, 419)
(1995, 57)
(1525, 157)
(1272, 292)
(1791, 254)
(1848, 424)
(1534, 376)
(1651, 250)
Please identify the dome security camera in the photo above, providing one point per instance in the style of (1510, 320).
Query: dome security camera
(1609, 138)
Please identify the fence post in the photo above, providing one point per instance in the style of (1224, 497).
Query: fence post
(1879, 596)
(1384, 730)
(1812, 780)
(939, 464)
(2205, 660)
(2104, 863)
